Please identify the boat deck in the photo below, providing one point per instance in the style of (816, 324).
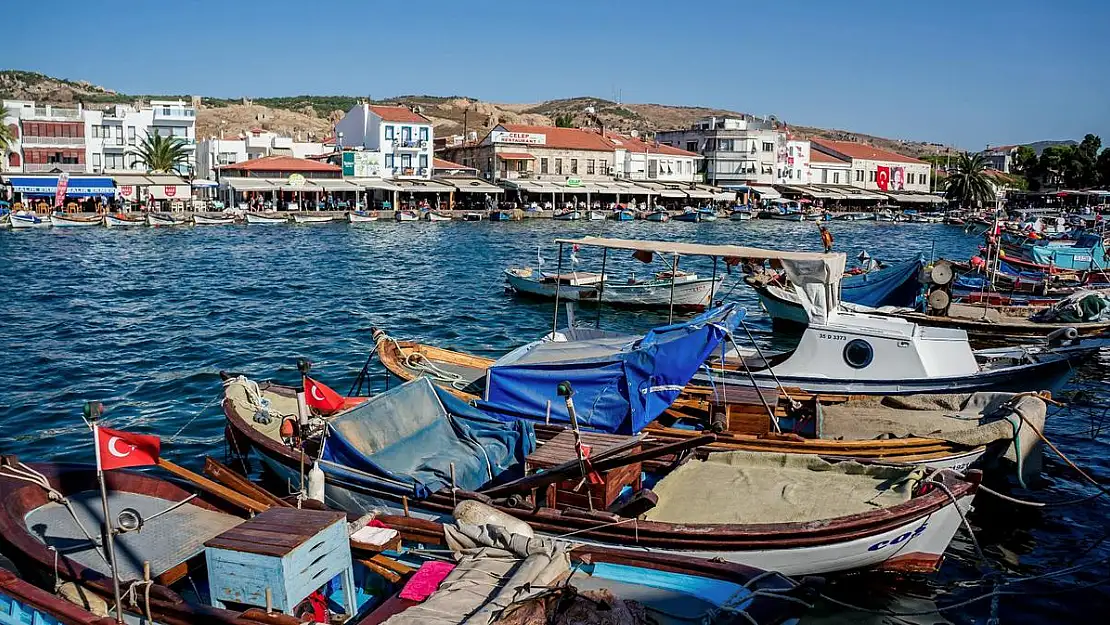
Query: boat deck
(165, 543)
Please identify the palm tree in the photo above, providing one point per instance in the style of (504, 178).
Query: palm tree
(161, 154)
(6, 137)
(968, 182)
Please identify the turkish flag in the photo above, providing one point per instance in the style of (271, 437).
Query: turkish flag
(118, 450)
(882, 177)
(321, 397)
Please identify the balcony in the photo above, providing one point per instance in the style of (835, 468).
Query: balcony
(73, 168)
(183, 113)
(54, 113)
(409, 144)
(53, 141)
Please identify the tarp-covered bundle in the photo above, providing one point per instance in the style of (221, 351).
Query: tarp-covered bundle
(1088, 254)
(896, 285)
(621, 383)
(1079, 307)
(407, 438)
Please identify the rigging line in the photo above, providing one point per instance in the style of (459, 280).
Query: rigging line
(214, 401)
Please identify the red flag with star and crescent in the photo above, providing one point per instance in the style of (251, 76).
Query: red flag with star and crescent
(319, 396)
(119, 450)
(882, 177)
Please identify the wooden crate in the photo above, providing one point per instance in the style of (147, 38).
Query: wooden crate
(567, 493)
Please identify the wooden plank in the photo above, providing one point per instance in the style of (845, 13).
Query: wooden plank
(233, 480)
(213, 488)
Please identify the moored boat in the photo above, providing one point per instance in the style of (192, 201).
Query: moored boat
(314, 218)
(267, 219)
(73, 221)
(690, 215)
(740, 214)
(209, 220)
(567, 215)
(500, 215)
(434, 216)
(359, 217)
(120, 220)
(595, 216)
(658, 216)
(623, 215)
(21, 220)
(472, 216)
(158, 220)
(406, 215)
(689, 292)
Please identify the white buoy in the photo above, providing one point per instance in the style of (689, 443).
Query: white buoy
(302, 409)
(477, 513)
(316, 482)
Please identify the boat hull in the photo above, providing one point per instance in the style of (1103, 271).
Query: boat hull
(112, 221)
(595, 216)
(60, 221)
(313, 219)
(623, 216)
(500, 216)
(406, 216)
(659, 216)
(691, 218)
(257, 219)
(25, 222)
(162, 221)
(201, 220)
(358, 218)
(691, 295)
(571, 216)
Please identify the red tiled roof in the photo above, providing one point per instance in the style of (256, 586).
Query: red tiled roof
(634, 144)
(862, 151)
(589, 139)
(515, 156)
(281, 163)
(440, 163)
(399, 114)
(817, 156)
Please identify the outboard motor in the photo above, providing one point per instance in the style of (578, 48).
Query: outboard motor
(1061, 336)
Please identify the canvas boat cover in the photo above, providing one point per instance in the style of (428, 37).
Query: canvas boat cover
(896, 285)
(620, 383)
(1079, 307)
(406, 439)
(745, 487)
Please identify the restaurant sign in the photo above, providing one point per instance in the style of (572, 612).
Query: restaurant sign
(526, 138)
(362, 164)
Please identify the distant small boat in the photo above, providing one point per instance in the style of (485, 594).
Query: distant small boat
(260, 219)
(119, 220)
(623, 215)
(433, 216)
(202, 220)
(740, 215)
(23, 219)
(362, 217)
(406, 216)
(567, 215)
(884, 216)
(472, 216)
(595, 216)
(688, 291)
(708, 214)
(161, 220)
(659, 216)
(690, 215)
(313, 218)
(850, 217)
(500, 215)
(70, 221)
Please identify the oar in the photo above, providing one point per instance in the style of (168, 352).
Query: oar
(208, 486)
(230, 478)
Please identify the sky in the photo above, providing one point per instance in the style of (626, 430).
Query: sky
(966, 73)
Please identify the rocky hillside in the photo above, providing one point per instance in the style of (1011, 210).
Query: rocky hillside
(308, 117)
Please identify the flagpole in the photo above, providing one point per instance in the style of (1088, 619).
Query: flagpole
(93, 413)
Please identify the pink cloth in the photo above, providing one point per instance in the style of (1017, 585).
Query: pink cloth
(426, 580)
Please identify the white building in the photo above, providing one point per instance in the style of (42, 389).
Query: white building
(795, 168)
(828, 169)
(256, 143)
(401, 136)
(875, 169)
(738, 150)
(82, 140)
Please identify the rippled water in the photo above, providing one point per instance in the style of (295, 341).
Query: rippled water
(143, 320)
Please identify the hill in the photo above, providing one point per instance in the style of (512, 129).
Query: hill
(311, 117)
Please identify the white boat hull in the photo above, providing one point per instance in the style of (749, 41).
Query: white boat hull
(569, 216)
(356, 218)
(437, 217)
(59, 221)
(406, 216)
(201, 220)
(740, 216)
(656, 294)
(313, 219)
(595, 216)
(27, 222)
(161, 221)
(256, 219)
(111, 221)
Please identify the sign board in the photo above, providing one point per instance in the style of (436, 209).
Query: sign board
(574, 182)
(127, 191)
(170, 190)
(362, 164)
(526, 138)
(296, 180)
(63, 184)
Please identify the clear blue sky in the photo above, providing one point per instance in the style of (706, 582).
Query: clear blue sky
(968, 72)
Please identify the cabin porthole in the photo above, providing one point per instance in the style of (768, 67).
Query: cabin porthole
(858, 353)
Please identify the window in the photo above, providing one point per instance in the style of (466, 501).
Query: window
(113, 161)
(96, 161)
(871, 177)
(859, 175)
(909, 179)
(424, 133)
(406, 161)
(543, 165)
(389, 132)
(689, 167)
(604, 165)
(590, 167)
(389, 161)
(406, 133)
(573, 166)
(165, 110)
(768, 146)
(96, 132)
(119, 135)
(691, 146)
(130, 135)
(836, 177)
(558, 166)
(423, 161)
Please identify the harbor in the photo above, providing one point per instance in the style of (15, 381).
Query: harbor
(178, 312)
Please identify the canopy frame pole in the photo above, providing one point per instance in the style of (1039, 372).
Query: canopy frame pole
(601, 287)
(713, 284)
(558, 283)
(670, 309)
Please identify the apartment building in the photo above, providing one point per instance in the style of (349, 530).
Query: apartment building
(257, 143)
(738, 151)
(871, 168)
(402, 137)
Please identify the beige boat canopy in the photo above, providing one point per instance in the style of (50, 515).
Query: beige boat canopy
(815, 275)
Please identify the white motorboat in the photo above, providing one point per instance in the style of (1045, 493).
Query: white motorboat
(72, 221)
(205, 220)
(567, 215)
(473, 216)
(120, 220)
(161, 220)
(361, 217)
(595, 216)
(690, 292)
(260, 219)
(313, 218)
(740, 215)
(22, 220)
(434, 216)
(406, 216)
(659, 216)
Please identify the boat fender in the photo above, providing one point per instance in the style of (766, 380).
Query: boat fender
(1059, 335)
(478, 513)
(84, 598)
(316, 482)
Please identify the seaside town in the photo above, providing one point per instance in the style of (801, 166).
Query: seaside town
(497, 359)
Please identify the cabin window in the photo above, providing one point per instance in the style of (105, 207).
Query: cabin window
(858, 353)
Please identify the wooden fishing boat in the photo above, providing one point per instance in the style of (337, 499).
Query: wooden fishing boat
(907, 532)
(406, 216)
(995, 325)
(120, 220)
(359, 217)
(434, 216)
(314, 218)
(595, 216)
(690, 215)
(24, 220)
(690, 292)
(267, 219)
(566, 215)
(158, 220)
(472, 216)
(498, 215)
(740, 215)
(659, 216)
(72, 221)
(740, 418)
(783, 215)
(208, 220)
(623, 215)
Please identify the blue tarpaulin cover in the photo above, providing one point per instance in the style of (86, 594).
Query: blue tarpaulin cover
(405, 440)
(896, 285)
(621, 383)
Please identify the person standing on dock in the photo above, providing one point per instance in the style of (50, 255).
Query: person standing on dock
(826, 238)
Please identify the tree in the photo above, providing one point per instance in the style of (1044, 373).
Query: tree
(160, 154)
(1102, 166)
(968, 181)
(564, 120)
(1024, 160)
(7, 138)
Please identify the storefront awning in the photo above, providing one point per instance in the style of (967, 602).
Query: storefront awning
(131, 180)
(672, 193)
(699, 194)
(76, 186)
(724, 196)
(169, 191)
(515, 156)
(374, 183)
(249, 184)
(471, 185)
(766, 193)
(423, 186)
(334, 185)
